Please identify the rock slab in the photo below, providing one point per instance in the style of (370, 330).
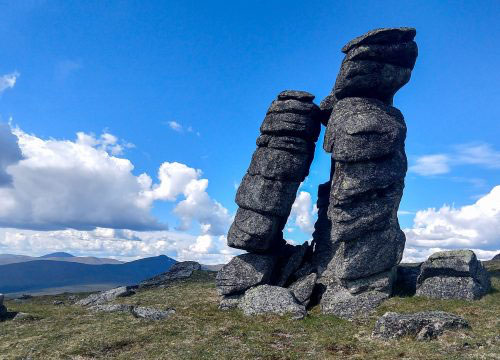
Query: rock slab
(422, 325)
(107, 296)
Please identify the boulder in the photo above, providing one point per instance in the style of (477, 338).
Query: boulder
(456, 274)
(296, 94)
(180, 270)
(243, 272)
(151, 313)
(302, 289)
(1, 299)
(337, 300)
(422, 325)
(279, 164)
(107, 296)
(267, 299)
(3, 311)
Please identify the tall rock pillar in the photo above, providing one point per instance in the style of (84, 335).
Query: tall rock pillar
(365, 135)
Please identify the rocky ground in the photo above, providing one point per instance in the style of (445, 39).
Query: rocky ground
(54, 327)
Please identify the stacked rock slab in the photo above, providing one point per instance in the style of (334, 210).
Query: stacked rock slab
(285, 150)
(454, 274)
(365, 135)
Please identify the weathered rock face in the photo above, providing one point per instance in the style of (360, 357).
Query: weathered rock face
(243, 272)
(278, 166)
(365, 136)
(267, 299)
(422, 326)
(454, 274)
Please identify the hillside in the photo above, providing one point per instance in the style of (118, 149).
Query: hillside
(41, 274)
(6, 259)
(199, 330)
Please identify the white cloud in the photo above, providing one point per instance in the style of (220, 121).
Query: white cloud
(82, 185)
(467, 154)
(174, 125)
(475, 226)
(431, 165)
(8, 81)
(303, 213)
(106, 142)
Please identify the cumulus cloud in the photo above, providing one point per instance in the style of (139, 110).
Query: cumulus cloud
(475, 226)
(304, 213)
(82, 185)
(8, 81)
(10, 153)
(483, 155)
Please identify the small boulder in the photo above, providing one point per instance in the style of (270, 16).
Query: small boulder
(243, 272)
(112, 308)
(151, 313)
(180, 270)
(107, 296)
(422, 325)
(1, 299)
(57, 302)
(229, 302)
(267, 299)
(302, 289)
(456, 274)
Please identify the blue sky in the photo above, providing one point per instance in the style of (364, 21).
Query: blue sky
(133, 68)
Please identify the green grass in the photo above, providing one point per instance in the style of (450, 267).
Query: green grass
(199, 330)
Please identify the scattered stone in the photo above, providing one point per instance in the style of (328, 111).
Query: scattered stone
(229, 302)
(112, 308)
(406, 279)
(267, 299)
(107, 296)
(243, 272)
(456, 274)
(57, 302)
(180, 270)
(151, 313)
(303, 288)
(21, 316)
(422, 325)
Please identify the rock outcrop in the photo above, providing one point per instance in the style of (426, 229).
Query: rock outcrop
(454, 274)
(423, 325)
(107, 296)
(180, 270)
(3, 309)
(365, 135)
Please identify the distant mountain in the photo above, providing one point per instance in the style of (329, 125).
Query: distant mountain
(57, 255)
(42, 274)
(216, 267)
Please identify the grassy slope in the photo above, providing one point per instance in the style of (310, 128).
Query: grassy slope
(199, 331)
